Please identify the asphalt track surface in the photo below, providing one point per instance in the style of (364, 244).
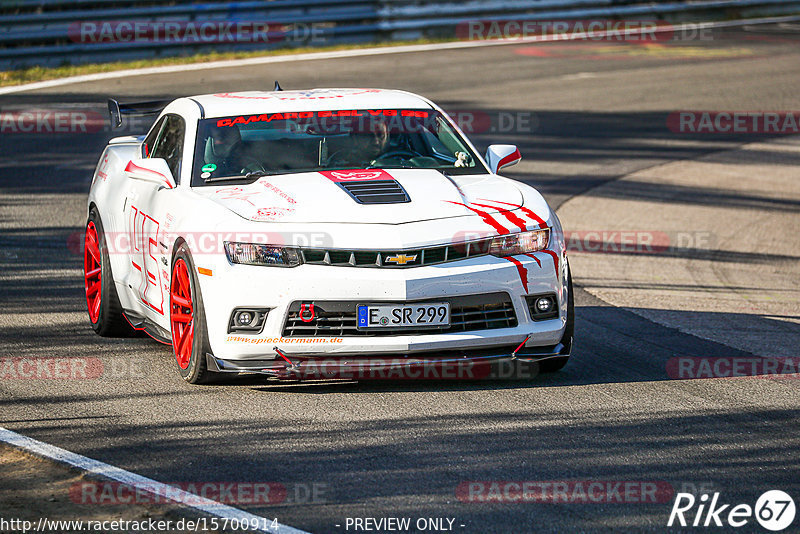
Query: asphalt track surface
(402, 449)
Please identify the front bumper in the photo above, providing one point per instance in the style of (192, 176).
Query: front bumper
(235, 286)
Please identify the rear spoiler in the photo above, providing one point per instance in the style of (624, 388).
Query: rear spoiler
(117, 110)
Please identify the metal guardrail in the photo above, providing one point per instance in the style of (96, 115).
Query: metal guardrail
(414, 20)
(43, 32)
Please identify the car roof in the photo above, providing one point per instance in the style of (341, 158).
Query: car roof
(250, 102)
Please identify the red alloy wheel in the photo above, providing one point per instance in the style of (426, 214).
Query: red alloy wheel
(92, 272)
(181, 313)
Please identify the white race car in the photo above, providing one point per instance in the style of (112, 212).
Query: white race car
(329, 233)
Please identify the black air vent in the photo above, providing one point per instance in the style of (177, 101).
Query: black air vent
(468, 313)
(376, 191)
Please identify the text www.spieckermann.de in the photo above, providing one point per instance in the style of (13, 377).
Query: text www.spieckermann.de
(123, 525)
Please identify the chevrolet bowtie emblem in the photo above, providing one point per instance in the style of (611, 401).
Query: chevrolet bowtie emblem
(400, 259)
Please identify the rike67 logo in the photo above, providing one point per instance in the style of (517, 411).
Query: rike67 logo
(774, 510)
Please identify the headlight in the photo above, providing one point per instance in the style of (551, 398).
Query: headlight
(524, 242)
(254, 254)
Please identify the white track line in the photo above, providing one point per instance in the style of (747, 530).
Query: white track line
(142, 484)
(360, 52)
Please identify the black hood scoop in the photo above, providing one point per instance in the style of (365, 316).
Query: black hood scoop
(375, 191)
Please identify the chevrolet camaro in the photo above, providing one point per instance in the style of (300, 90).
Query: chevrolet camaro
(326, 233)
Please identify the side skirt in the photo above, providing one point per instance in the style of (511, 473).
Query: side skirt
(143, 324)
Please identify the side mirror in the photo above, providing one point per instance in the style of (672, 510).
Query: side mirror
(153, 170)
(500, 156)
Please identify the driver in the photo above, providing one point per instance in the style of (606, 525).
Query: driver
(224, 148)
(366, 146)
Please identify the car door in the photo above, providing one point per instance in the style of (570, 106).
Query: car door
(146, 211)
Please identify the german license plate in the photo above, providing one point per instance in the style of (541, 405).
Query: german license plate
(433, 314)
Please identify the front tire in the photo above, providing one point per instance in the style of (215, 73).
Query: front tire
(188, 321)
(102, 301)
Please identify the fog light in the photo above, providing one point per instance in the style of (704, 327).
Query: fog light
(244, 318)
(247, 320)
(543, 304)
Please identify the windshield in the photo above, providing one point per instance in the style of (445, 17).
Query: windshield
(242, 148)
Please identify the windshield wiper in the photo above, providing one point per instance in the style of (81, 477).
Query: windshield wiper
(248, 176)
(392, 167)
(258, 174)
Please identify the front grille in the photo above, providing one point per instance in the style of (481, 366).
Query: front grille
(396, 258)
(376, 191)
(338, 318)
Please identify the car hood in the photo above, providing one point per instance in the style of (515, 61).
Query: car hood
(323, 197)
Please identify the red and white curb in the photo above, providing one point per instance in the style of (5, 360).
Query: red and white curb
(143, 484)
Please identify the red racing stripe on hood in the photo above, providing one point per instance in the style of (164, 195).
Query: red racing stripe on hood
(511, 216)
(488, 219)
(524, 210)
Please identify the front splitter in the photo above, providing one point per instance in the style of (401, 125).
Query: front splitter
(462, 365)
